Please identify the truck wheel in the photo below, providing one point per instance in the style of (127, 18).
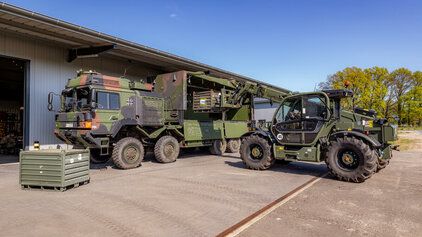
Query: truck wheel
(350, 159)
(166, 149)
(255, 152)
(96, 158)
(128, 153)
(233, 146)
(218, 147)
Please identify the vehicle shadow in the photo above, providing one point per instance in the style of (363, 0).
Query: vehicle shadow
(297, 168)
(7, 159)
(188, 153)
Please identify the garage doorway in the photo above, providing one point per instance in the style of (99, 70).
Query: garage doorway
(13, 73)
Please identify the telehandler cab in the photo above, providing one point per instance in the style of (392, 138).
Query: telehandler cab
(313, 127)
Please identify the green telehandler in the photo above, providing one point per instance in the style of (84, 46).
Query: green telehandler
(312, 127)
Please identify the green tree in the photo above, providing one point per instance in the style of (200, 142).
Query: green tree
(401, 82)
(359, 82)
(396, 93)
(377, 91)
(412, 101)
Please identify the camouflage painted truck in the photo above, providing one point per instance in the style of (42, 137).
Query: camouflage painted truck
(121, 118)
(312, 127)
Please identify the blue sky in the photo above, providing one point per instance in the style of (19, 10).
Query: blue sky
(292, 44)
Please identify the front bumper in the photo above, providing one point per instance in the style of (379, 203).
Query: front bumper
(81, 138)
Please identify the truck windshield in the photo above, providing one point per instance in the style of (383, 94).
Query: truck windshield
(76, 100)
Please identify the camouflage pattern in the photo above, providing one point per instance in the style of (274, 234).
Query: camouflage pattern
(148, 111)
(309, 145)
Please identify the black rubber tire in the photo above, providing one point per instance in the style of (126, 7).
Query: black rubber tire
(381, 164)
(218, 147)
(127, 161)
(366, 159)
(233, 146)
(96, 158)
(264, 161)
(166, 149)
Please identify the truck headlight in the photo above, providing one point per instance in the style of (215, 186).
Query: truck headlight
(368, 123)
(279, 136)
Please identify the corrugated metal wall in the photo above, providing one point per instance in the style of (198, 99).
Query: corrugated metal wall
(264, 111)
(49, 71)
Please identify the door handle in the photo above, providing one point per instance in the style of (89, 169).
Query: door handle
(113, 117)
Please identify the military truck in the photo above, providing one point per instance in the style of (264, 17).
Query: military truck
(123, 118)
(313, 127)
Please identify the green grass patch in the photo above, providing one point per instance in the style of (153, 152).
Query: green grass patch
(408, 128)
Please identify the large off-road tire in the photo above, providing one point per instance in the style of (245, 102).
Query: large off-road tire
(96, 158)
(128, 153)
(218, 147)
(233, 145)
(350, 159)
(166, 149)
(256, 154)
(381, 164)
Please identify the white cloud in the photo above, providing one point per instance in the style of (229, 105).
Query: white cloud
(173, 15)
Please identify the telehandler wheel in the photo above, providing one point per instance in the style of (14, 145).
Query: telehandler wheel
(233, 145)
(128, 153)
(218, 147)
(350, 159)
(255, 152)
(96, 158)
(381, 164)
(166, 149)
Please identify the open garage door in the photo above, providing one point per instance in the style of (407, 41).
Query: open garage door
(12, 99)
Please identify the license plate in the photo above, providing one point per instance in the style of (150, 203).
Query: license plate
(69, 125)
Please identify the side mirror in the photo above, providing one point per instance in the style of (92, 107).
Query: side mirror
(50, 101)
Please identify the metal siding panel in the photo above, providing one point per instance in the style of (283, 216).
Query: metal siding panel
(49, 71)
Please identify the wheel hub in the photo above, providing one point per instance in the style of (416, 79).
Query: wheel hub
(256, 152)
(347, 159)
(131, 153)
(168, 149)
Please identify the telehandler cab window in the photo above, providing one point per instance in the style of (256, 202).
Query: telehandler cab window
(290, 110)
(301, 113)
(314, 107)
(108, 101)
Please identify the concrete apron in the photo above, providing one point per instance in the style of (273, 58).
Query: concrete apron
(199, 195)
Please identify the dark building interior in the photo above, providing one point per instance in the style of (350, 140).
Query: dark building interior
(12, 79)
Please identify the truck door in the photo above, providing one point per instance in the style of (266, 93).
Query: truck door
(300, 118)
(107, 110)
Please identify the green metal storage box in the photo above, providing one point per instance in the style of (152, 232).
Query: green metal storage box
(53, 169)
